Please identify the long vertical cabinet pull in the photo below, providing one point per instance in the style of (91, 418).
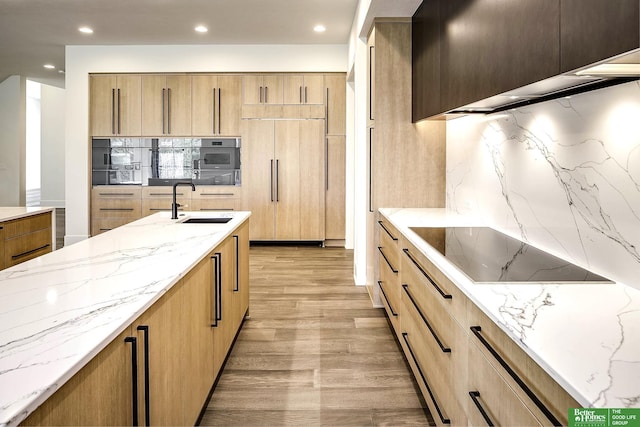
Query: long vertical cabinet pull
(326, 163)
(277, 180)
(371, 65)
(163, 109)
(477, 331)
(134, 378)
(169, 111)
(217, 288)
(370, 169)
(474, 396)
(213, 115)
(147, 410)
(271, 186)
(305, 95)
(113, 111)
(260, 94)
(219, 112)
(236, 240)
(266, 94)
(326, 114)
(119, 129)
(300, 94)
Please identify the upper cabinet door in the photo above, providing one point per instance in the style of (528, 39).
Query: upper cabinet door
(593, 30)
(115, 105)
(204, 97)
(336, 93)
(166, 105)
(154, 98)
(272, 89)
(178, 105)
(312, 92)
(229, 105)
(493, 46)
(293, 89)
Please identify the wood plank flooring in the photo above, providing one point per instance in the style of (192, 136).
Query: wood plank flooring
(314, 351)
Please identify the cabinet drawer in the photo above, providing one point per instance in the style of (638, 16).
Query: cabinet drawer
(440, 345)
(490, 399)
(154, 205)
(116, 192)
(216, 192)
(18, 227)
(116, 208)
(27, 246)
(166, 192)
(437, 284)
(542, 394)
(388, 244)
(389, 284)
(100, 225)
(228, 204)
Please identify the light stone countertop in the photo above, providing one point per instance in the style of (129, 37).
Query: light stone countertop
(585, 336)
(61, 309)
(9, 213)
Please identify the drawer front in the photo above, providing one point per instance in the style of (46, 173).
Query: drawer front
(389, 284)
(542, 394)
(18, 227)
(437, 284)
(216, 204)
(217, 192)
(100, 225)
(162, 192)
(155, 205)
(440, 345)
(27, 246)
(388, 248)
(112, 207)
(117, 192)
(490, 399)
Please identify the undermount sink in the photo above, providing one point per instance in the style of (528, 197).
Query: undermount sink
(216, 220)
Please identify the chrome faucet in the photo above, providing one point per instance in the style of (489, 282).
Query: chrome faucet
(175, 205)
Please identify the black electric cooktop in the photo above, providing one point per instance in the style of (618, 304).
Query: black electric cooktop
(486, 255)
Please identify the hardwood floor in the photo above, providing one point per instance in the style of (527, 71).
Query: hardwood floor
(314, 351)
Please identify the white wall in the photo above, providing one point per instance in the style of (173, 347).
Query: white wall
(52, 167)
(82, 60)
(13, 112)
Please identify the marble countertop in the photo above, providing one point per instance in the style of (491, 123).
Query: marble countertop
(585, 336)
(61, 309)
(9, 213)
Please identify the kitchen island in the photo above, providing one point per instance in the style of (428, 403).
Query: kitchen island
(61, 314)
(584, 336)
(25, 233)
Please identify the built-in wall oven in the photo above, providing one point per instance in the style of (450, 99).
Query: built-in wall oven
(218, 162)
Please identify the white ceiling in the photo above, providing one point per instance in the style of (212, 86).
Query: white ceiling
(35, 32)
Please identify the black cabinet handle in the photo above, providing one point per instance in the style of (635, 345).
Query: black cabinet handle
(236, 240)
(115, 194)
(134, 378)
(147, 411)
(387, 230)
(116, 209)
(474, 396)
(169, 111)
(260, 94)
(305, 95)
(271, 187)
(30, 251)
(384, 294)
(119, 112)
(219, 111)
(370, 170)
(300, 94)
(443, 418)
(477, 332)
(326, 115)
(266, 94)
(424, 273)
(277, 180)
(371, 65)
(113, 111)
(387, 260)
(213, 115)
(426, 322)
(163, 110)
(217, 289)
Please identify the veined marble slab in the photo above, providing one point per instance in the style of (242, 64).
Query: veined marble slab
(59, 310)
(585, 336)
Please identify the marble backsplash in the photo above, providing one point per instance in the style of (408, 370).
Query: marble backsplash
(563, 175)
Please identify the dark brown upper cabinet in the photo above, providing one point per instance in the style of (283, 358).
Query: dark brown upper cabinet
(425, 52)
(493, 46)
(593, 30)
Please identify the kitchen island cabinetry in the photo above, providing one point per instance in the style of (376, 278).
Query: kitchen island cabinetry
(217, 105)
(25, 238)
(115, 105)
(166, 105)
(113, 206)
(284, 168)
(160, 367)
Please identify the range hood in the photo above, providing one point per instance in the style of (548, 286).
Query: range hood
(618, 69)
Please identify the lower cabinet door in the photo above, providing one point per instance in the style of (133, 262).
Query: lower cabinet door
(491, 400)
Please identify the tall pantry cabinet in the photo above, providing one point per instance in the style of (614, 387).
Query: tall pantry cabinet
(406, 161)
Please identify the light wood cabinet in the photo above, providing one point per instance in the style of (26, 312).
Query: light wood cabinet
(388, 268)
(185, 336)
(217, 105)
(303, 89)
(115, 105)
(113, 206)
(100, 394)
(335, 188)
(216, 198)
(284, 167)
(26, 238)
(336, 104)
(166, 105)
(262, 89)
(159, 199)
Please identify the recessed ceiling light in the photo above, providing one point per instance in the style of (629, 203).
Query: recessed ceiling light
(85, 30)
(49, 66)
(201, 29)
(319, 28)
